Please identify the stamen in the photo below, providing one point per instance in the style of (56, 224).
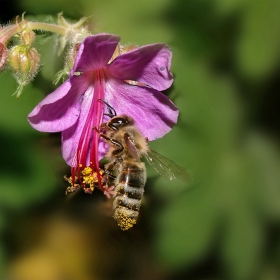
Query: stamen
(89, 174)
(88, 178)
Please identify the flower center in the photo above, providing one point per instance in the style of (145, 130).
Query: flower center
(87, 151)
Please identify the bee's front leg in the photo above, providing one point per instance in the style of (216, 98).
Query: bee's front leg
(112, 141)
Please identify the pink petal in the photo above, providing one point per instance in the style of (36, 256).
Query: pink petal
(148, 64)
(72, 135)
(60, 109)
(69, 144)
(154, 113)
(70, 139)
(95, 52)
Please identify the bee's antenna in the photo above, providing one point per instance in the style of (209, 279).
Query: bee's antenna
(112, 112)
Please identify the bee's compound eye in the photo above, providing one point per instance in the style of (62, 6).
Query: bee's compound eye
(119, 122)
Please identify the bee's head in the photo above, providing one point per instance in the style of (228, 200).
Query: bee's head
(120, 121)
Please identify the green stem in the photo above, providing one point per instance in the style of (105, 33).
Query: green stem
(61, 30)
(7, 32)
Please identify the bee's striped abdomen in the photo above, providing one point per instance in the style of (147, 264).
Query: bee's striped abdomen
(129, 191)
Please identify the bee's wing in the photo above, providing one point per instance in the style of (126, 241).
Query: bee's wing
(166, 167)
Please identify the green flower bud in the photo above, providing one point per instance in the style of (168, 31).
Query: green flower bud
(69, 63)
(27, 37)
(3, 56)
(24, 62)
(71, 56)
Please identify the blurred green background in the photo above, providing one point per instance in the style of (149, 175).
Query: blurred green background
(226, 224)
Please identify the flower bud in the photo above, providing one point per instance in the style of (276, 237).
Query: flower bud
(127, 48)
(3, 56)
(69, 63)
(27, 37)
(120, 49)
(71, 56)
(24, 62)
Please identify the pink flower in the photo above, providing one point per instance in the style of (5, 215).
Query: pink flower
(109, 191)
(130, 82)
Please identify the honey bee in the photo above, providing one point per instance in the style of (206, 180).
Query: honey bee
(126, 147)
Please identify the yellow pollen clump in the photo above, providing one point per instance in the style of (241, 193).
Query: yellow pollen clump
(87, 170)
(70, 181)
(88, 179)
(73, 186)
(124, 221)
